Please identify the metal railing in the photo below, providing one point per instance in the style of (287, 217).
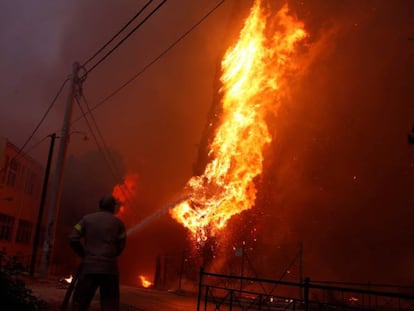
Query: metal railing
(230, 292)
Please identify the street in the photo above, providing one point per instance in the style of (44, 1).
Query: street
(132, 298)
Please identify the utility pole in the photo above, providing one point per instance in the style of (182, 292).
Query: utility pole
(42, 204)
(58, 178)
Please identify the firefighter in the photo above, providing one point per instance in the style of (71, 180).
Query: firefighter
(103, 240)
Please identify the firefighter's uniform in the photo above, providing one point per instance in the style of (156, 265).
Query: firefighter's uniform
(104, 239)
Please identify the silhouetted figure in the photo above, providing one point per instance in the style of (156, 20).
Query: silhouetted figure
(104, 239)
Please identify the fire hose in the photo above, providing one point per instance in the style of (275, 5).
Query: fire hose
(131, 230)
(156, 215)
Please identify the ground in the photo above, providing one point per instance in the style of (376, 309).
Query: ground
(132, 298)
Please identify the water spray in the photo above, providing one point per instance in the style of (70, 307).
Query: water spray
(155, 216)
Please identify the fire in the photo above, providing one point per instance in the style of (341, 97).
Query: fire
(253, 73)
(144, 281)
(125, 192)
(69, 279)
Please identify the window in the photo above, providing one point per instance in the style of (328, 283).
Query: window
(12, 173)
(22, 178)
(24, 232)
(11, 178)
(6, 227)
(3, 171)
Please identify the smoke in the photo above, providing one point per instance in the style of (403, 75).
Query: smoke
(155, 123)
(340, 168)
(339, 173)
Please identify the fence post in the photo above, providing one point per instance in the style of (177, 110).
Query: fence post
(306, 294)
(206, 297)
(200, 285)
(369, 295)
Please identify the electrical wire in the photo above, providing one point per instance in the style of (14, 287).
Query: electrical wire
(43, 117)
(118, 33)
(156, 59)
(116, 91)
(105, 146)
(110, 162)
(35, 145)
(18, 154)
(90, 110)
(109, 156)
(111, 169)
(126, 37)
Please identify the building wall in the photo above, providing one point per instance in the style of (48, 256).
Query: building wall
(20, 189)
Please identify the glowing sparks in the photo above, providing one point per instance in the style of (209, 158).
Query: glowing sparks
(253, 73)
(144, 281)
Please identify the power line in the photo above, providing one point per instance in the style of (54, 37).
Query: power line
(116, 91)
(100, 134)
(37, 144)
(95, 138)
(109, 156)
(38, 125)
(44, 116)
(110, 162)
(118, 33)
(170, 47)
(126, 37)
(90, 110)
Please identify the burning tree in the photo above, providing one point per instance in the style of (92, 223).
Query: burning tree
(254, 73)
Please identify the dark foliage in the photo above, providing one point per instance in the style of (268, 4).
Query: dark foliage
(14, 295)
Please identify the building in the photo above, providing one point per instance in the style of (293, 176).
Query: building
(20, 190)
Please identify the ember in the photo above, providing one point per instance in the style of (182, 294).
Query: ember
(253, 73)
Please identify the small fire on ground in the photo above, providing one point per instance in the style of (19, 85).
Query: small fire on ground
(144, 281)
(67, 280)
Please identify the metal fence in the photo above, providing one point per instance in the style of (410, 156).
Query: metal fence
(230, 292)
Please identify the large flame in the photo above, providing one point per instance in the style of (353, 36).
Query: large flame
(253, 72)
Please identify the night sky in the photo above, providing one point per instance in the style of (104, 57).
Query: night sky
(339, 173)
